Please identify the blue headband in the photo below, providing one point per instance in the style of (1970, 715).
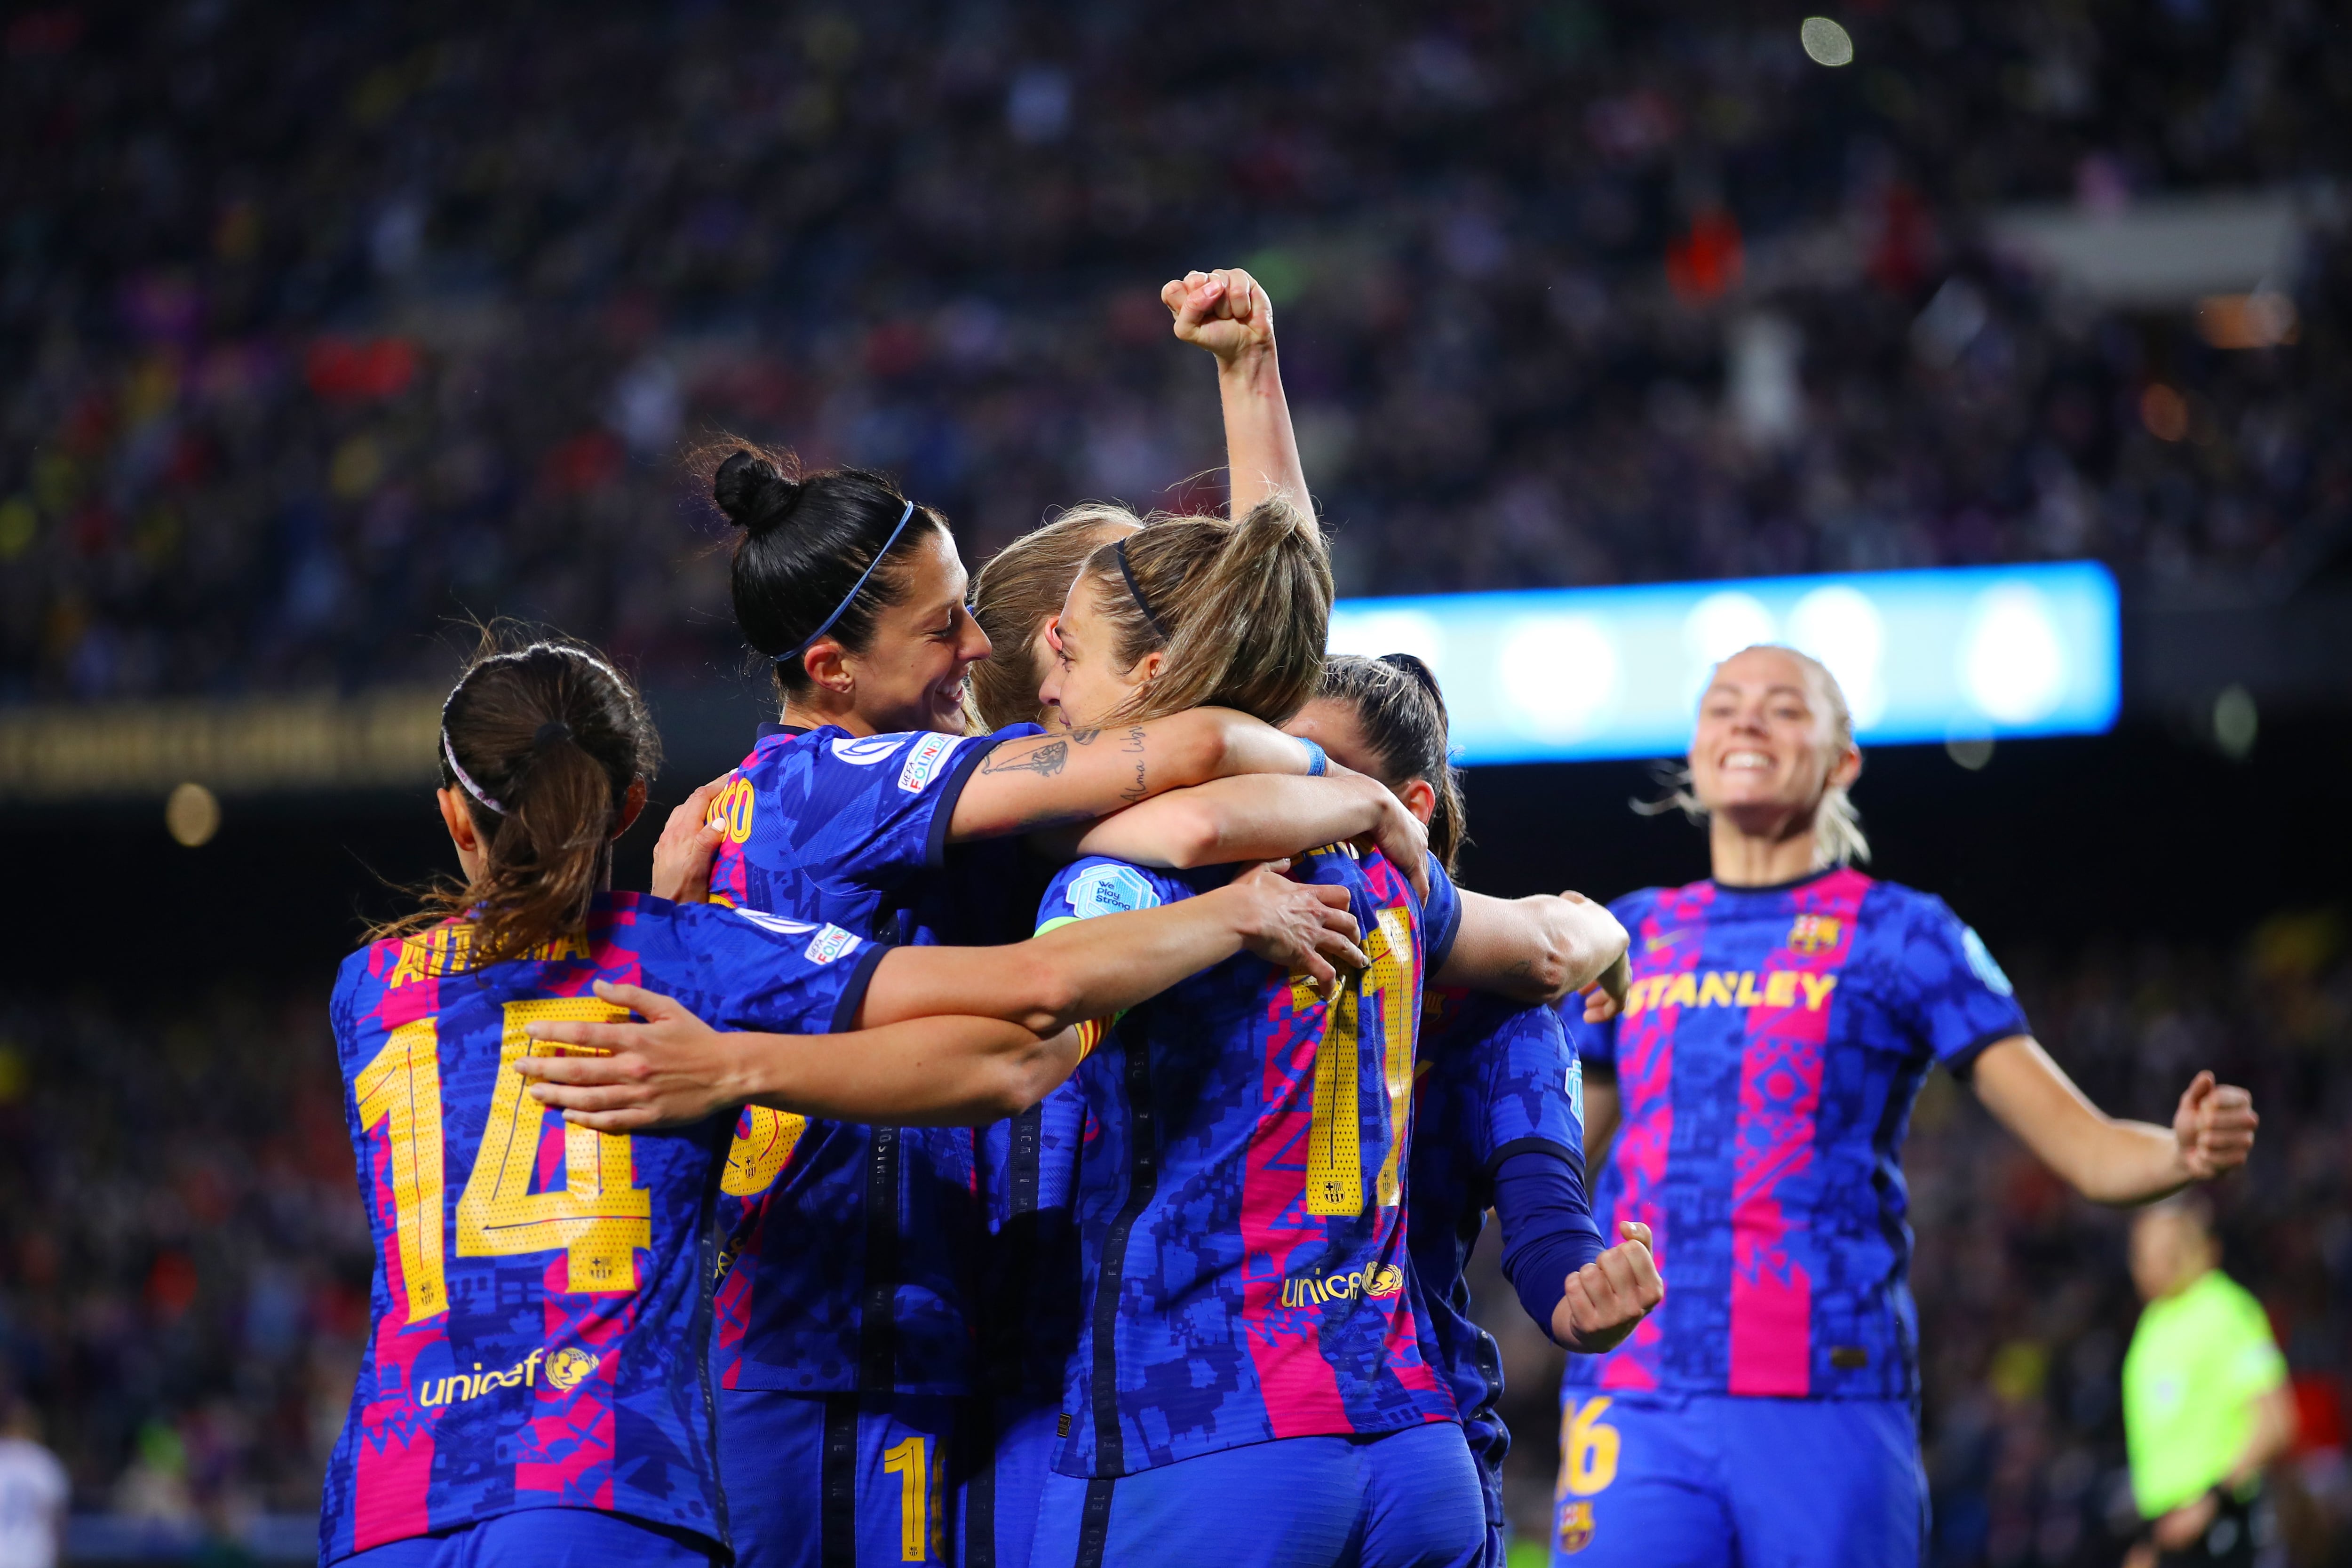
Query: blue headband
(851, 597)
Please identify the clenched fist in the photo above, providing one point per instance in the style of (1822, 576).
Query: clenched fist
(1222, 312)
(1609, 1295)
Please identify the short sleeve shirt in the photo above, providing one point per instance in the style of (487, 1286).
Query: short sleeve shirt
(540, 1312)
(1241, 1200)
(1772, 1043)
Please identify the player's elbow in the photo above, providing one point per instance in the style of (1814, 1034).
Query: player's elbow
(1020, 1077)
(1048, 997)
(1593, 940)
(1203, 744)
(1196, 834)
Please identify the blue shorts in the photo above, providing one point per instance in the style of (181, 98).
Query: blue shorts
(1721, 1481)
(999, 1475)
(831, 1480)
(1490, 1491)
(1401, 1499)
(546, 1538)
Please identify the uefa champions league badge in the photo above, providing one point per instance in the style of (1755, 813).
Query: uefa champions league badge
(1110, 891)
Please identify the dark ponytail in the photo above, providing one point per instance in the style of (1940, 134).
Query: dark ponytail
(1402, 714)
(544, 741)
(807, 540)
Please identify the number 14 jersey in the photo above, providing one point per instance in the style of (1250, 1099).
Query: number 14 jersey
(540, 1314)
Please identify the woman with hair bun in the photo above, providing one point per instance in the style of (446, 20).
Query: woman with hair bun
(848, 1319)
(1780, 1019)
(1498, 1115)
(535, 1390)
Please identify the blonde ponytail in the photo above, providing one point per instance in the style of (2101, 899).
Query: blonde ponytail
(1020, 589)
(1241, 611)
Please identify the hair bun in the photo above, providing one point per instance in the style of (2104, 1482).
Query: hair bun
(753, 491)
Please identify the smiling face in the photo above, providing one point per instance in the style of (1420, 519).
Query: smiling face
(911, 673)
(1083, 681)
(1767, 746)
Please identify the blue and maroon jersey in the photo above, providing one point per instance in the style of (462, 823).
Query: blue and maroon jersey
(1496, 1077)
(1772, 1042)
(1241, 1194)
(852, 1248)
(540, 1309)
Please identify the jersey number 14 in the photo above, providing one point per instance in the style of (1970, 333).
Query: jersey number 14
(598, 1218)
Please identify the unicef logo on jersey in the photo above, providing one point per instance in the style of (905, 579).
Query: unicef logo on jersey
(866, 752)
(1110, 891)
(1980, 960)
(1321, 1291)
(565, 1370)
(569, 1367)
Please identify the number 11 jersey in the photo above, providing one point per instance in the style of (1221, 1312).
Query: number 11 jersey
(540, 1309)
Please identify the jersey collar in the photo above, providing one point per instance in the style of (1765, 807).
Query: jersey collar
(1769, 888)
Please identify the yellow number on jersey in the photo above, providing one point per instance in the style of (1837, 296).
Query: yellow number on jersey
(1588, 1450)
(402, 1086)
(921, 1537)
(597, 1216)
(1392, 974)
(762, 1144)
(1335, 1171)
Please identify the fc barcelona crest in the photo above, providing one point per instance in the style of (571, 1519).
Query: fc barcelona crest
(1575, 1526)
(1814, 933)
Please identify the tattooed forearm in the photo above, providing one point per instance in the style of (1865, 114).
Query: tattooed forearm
(1044, 760)
(1140, 788)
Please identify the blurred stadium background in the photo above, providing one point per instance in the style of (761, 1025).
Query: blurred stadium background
(323, 327)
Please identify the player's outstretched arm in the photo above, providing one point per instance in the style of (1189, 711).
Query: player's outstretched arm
(1534, 949)
(2107, 1159)
(1051, 781)
(673, 1069)
(1095, 968)
(1003, 1014)
(1228, 314)
(1608, 1296)
(1264, 816)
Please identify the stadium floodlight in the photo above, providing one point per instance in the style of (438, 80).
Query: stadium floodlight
(1826, 42)
(1582, 674)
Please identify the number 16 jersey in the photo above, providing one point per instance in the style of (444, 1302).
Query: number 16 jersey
(540, 1314)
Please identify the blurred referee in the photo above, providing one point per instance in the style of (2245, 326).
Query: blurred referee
(2205, 1399)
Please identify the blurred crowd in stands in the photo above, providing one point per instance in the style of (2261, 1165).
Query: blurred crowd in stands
(183, 1259)
(318, 324)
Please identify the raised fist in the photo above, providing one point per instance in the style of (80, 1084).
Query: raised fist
(1222, 312)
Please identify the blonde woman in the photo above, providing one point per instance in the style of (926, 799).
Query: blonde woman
(1779, 1019)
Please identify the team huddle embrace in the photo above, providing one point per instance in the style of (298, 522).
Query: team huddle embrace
(1043, 1108)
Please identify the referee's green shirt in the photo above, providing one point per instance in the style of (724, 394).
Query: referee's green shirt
(2198, 1362)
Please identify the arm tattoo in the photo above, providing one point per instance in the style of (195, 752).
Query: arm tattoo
(1044, 760)
(1084, 737)
(1140, 788)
